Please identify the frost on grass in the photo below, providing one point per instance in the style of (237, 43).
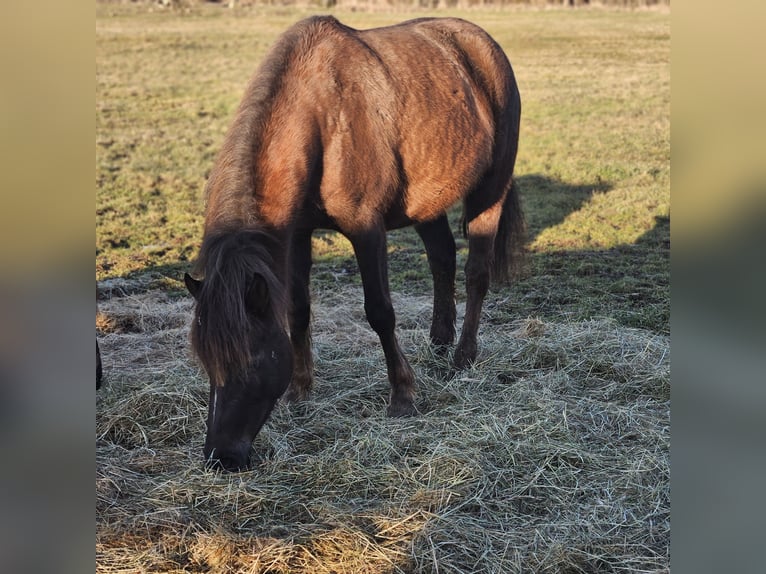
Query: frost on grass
(551, 454)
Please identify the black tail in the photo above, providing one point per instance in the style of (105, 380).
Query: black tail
(510, 238)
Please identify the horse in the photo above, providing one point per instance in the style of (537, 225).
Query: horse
(360, 132)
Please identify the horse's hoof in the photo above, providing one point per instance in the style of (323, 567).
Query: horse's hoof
(397, 410)
(440, 349)
(463, 359)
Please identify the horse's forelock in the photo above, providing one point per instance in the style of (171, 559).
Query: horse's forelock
(222, 328)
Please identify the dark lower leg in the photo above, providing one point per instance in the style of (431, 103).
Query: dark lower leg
(440, 248)
(300, 320)
(303, 369)
(370, 250)
(477, 285)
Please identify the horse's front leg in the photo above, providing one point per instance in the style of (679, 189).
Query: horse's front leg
(370, 250)
(300, 318)
(440, 247)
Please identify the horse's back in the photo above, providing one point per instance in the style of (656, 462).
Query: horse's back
(352, 126)
(413, 108)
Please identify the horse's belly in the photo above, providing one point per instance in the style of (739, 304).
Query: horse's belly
(427, 202)
(441, 180)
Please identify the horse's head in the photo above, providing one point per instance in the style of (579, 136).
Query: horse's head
(240, 338)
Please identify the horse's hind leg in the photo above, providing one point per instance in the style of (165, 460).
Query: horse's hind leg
(300, 318)
(370, 250)
(483, 218)
(440, 247)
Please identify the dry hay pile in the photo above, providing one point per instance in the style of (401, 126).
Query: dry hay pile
(550, 455)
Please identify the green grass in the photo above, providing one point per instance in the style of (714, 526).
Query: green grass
(593, 165)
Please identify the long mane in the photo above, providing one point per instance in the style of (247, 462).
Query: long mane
(223, 328)
(235, 247)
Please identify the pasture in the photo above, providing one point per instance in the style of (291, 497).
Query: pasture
(551, 454)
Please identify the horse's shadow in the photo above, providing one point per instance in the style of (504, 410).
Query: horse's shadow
(548, 201)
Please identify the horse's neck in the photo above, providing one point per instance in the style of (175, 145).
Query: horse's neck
(253, 191)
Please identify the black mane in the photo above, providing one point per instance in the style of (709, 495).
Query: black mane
(223, 329)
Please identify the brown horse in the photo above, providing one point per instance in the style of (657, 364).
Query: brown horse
(358, 132)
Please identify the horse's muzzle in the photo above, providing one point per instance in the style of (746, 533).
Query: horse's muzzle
(234, 460)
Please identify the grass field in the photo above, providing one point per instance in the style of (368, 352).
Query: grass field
(550, 455)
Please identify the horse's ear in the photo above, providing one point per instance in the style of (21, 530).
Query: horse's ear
(257, 295)
(193, 285)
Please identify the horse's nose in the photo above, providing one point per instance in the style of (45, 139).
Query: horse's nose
(228, 461)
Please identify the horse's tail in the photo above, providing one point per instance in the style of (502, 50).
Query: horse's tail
(511, 236)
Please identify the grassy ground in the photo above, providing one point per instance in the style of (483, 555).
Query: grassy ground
(550, 455)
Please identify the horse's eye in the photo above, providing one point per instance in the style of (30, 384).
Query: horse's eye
(199, 321)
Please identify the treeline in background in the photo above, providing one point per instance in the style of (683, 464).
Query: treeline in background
(382, 4)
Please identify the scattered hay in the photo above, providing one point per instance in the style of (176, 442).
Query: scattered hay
(550, 455)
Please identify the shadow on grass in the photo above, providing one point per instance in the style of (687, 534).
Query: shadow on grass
(629, 283)
(548, 201)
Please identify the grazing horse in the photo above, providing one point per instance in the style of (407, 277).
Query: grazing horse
(358, 131)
